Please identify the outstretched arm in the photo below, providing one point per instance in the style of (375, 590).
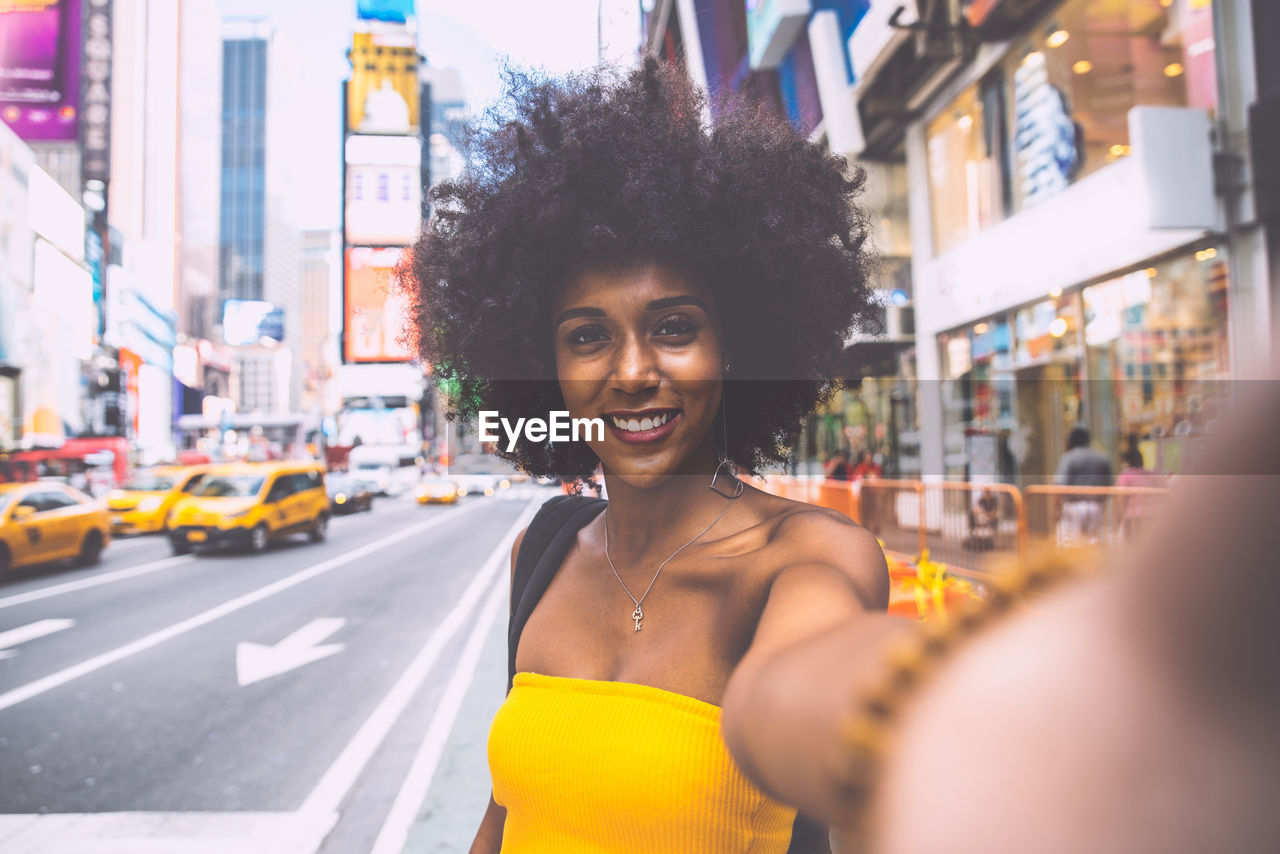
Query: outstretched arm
(787, 701)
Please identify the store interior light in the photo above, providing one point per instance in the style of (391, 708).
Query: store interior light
(1119, 150)
(1084, 66)
(1058, 327)
(1173, 69)
(965, 122)
(1151, 272)
(1207, 254)
(981, 329)
(1057, 38)
(1055, 293)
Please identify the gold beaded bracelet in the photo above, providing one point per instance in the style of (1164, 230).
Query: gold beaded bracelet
(909, 659)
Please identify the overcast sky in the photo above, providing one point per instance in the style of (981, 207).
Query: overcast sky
(474, 36)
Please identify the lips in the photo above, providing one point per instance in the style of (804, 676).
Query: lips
(650, 425)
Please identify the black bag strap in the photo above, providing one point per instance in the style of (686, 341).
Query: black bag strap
(546, 542)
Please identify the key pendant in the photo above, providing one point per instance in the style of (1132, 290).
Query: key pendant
(637, 615)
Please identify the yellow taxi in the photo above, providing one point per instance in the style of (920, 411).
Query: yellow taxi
(142, 505)
(249, 505)
(437, 490)
(46, 521)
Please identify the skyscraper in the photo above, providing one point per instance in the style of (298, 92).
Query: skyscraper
(244, 140)
(259, 244)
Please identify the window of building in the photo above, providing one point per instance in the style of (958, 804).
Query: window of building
(965, 166)
(384, 187)
(1073, 80)
(1157, 342)
(1057, 109)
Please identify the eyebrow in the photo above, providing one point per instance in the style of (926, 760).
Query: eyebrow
(653, 305)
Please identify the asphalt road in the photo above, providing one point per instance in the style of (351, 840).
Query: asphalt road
(282, 702)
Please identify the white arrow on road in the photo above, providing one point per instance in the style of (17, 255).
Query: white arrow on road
(255, 662)
(29, 632)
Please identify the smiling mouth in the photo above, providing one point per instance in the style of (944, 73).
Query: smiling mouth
(647, 426)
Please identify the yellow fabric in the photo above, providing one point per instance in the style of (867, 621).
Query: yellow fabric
(600, 767)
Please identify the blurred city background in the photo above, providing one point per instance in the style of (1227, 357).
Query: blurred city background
(202, 203)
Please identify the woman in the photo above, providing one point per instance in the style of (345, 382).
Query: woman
(1139, 509)
(609, 255)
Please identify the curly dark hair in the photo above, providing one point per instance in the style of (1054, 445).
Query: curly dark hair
(600, 170)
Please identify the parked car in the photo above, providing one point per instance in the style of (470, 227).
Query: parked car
(47, 521)
(347, 494)
(142, 505)
(251, 504)
(437, 490)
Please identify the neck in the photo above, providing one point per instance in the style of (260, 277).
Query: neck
(661, 517)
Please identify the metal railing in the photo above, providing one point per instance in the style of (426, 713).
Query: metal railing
(1068, 516)
(975, 528)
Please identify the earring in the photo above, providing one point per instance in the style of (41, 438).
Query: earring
(732, 474)
(728, 366)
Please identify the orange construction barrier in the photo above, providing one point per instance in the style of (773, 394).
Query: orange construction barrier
(1069, 516)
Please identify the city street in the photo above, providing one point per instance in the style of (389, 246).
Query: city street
(275, 702)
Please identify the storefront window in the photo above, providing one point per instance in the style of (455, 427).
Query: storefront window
(1072, 82)
(964, 166)
(978, 401)
(1157, 342)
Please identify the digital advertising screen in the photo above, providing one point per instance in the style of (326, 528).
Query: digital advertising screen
(384, 190)
(40, 68)
(374, 314)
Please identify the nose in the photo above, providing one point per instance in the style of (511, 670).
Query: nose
(635, 367)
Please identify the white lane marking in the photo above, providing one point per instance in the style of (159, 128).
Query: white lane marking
(48, 683)
(395, 830)
(164, 833)
(255, 661)
(93, 581)
(30, 632)
(333, 787)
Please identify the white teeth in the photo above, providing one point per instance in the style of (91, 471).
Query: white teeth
(632, 425)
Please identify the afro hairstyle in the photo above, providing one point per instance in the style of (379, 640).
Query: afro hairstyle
(601, 170)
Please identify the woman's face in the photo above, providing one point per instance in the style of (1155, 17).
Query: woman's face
(639, 347)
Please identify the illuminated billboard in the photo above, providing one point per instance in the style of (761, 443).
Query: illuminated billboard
(382, 94)
(394, 11)
(383, 200)
(375, 315)
(40, 68)
(247, 322)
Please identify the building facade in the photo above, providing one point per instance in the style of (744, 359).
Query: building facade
(259, 244)
(1065, 196)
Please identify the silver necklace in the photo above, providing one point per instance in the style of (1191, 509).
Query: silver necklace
(638, 614)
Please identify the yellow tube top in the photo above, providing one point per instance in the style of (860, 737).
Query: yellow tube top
(589, 766)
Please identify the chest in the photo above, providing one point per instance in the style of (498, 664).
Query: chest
(698, 620)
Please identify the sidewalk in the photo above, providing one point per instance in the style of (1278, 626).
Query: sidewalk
(451, 812)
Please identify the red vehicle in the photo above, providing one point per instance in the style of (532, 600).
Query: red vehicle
(99, 461)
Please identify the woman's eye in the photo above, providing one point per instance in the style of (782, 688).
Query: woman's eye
(676, 326)
(586, 335)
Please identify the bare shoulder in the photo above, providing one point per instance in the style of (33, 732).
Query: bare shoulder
(814, 536)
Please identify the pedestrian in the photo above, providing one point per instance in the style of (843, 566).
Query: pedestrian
(1080, 516)
(608, 255)
(866, 467)
(1138, 509)
(837, 467)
